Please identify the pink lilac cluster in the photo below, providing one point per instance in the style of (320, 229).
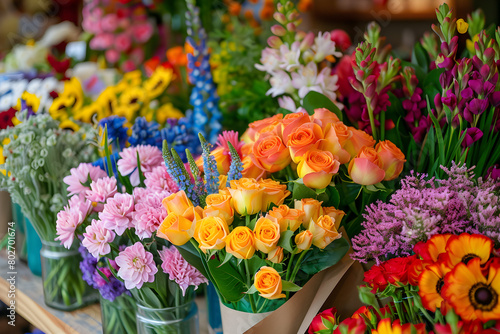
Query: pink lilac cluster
(121, 30)
(422, 208)
(149, 157)
(179, 270)
(137, 266)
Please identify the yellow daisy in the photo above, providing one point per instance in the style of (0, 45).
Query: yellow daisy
(158, 82)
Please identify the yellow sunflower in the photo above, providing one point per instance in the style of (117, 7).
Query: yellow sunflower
(69, 125)
(167, 111)
(465, 247)
(60, 107)
(472, 295)
(32, 101)
(108, 101)
(130, 79)
(87, 113)
(73, 90)
(126, 111)
(134, 97)
(430, 283)
(158, 82)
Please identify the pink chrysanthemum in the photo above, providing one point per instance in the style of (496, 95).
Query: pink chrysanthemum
(149, 213)
(159, 180)
(140, 194)
(80, 175)
(149, 157)
(66, 224)
(97, 238)
(136, 266)
(117, 213)
(100, 191)
(233, 138)
(180, 270)
(82, 204)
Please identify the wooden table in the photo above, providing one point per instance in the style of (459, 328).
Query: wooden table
(30, 305)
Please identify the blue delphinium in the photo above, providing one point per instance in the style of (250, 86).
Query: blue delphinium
(143, 132)
(117, 133)
(210, 168)
(180, 135)
(236, 167)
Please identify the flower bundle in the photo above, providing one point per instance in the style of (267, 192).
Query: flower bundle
(423, 208)
(450, 285)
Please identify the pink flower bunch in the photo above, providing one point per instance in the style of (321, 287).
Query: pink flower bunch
(158, 180)
(179, 270)
(137, 266)
(149, 213)
(100, 191)
(117, 213)
(67, 222)
(79, 177)
(97, 238)
(149, 157)
(120, 30)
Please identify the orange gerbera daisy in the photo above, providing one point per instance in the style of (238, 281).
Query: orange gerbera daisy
(385, 327)
(472, 295)
(434, 246)
(465, 247)
(430, 283)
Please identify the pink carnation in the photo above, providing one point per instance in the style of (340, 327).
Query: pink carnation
(122, 42)
(100, 191)
(66, 224)
(136, 266)
(140, 194)
(149, 213)
(80, 175)
(179, 269)
(159, 180)
(117, 213)
(142, 32)
(149, 157)
(109, 22)
(97, 238)
(82, 204)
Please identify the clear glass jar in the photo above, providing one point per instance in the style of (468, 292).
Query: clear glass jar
(63, 286)
(171, 320)
(118, 316)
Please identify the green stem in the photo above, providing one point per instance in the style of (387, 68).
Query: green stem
(249, 283)
(297, 266)
(372, 119)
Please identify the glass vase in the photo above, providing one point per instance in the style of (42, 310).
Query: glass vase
(63, 286)
(171, 320)
(34, 246)
(118, 316)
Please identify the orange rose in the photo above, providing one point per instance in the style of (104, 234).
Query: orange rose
(176, 229)
(276, 255)
(323, 231)
(219, 205)
(336, 136)
(177, 203)
(274, 192)
(255, 127)
(311, 208)
(291, 122)
(247, 196)
(267, 281)
(251, 170)
(289, 219)
(392, 158)
(335, 214)
(267, 234)
(323, 117)
(270, 154)
(211, 233)
(366, 167)
(304, 138)
(222, 182)
(317, 168)
(241, 243)
(357, 141)
(303, 240)
(272, 128)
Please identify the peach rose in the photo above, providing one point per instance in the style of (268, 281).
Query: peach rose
(276, 255)
(303, 240)
(317, 168)
(223, 160)
(241, 242)
(176, 229)
(306, 137)
(211, 233)
(267, 234)
(268, 283)
(270, 154)
(392, 158)
(177, 203)
(357, 141)
(323, 231)
(255, 127)
(272, 128)
(366, 167)
(335, 214)
(289, 219)
(336, 136)
(247, 196)
(311, 208)
(291, 122)
(219, 205)
(274, 192)
(251, 170)
(222, 182)
(323, 117)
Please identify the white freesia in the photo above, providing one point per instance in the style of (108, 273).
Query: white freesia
(270, 60)
(324, 46)
(290, 56)
(280, 84)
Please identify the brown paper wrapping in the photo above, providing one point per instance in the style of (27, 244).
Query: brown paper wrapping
(237, 322)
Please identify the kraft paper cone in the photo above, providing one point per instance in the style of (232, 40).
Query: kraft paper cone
(237, 322)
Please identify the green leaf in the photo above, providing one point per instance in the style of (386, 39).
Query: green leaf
(366, 296)
(227, 258)
(301, 191)
(420, 57)
(314, 100)
(252, 290)
(191, 255)
(317, 259)
(139, 169)
(229, 281)
(286, 240)
(333, 197)
(289, 286)
(255, 263)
